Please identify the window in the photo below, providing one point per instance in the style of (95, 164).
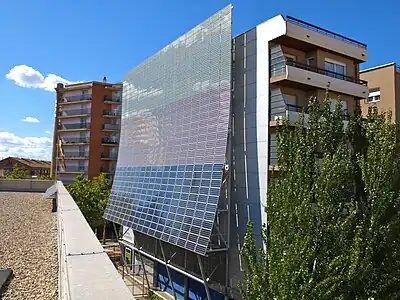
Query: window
(290, 57)
(311, 61)
(374, 96)
(335, 69)
(333, 102)
(289, 99)
(373, 110)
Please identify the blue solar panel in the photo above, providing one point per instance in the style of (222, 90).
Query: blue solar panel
(175, 115)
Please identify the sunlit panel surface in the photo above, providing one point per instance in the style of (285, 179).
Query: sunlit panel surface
(175, 115)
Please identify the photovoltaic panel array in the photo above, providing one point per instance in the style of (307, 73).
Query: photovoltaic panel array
(175, 117)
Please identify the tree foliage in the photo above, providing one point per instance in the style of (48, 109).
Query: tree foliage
(18, 172)
(333, 212)
(91, 197)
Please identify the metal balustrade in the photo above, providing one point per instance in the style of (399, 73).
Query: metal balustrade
(325, 32)
(325, 72)
(76, 154)
(112, 99)
(73, 126)
(75, 140)
(76, 98)
(109, 141)
(107, 170)
(109, 155)
(111, 126)
(74, 112)
(73, 169)
(111, 113)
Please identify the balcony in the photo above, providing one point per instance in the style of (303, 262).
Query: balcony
(109, 156)
(112, 99)
(107, 170)
(76, 98)
(76, 126)
(111, 127)
(74, 113)
(279, 110)
(109, 141)
(67, 141)
(306, 76)
(314, 35)
(111, 113)
(73, 169)
(76, 154)
(273, 150)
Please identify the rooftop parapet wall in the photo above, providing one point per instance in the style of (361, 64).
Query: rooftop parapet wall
(85, 270)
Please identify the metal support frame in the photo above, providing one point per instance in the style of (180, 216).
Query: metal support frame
(133, 258)
(166, 267)
(229, 178)
(203, 275)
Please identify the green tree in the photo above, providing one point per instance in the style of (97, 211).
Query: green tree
(92, 196)
(18, 172)
(333, 212)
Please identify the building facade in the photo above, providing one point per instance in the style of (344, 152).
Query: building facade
(34, 167)
(198, 141)
(87, 122)
(384, 90)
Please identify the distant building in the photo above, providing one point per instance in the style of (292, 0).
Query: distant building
(33, 166)
(88, 122)
(384, 90)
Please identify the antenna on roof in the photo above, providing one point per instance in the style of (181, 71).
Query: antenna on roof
(104, 79)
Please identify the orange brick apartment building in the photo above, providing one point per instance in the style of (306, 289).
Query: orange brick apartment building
(88, 123)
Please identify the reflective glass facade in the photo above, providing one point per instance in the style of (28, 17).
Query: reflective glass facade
(175, 116)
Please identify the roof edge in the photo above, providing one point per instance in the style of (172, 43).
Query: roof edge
(378, 67)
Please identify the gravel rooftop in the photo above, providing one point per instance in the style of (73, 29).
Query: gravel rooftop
(28, 245)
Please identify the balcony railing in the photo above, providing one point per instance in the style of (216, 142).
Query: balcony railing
(75, 140)
(107, 170)
(73, 169)
(110, 126)
(111, 112)
(73, 126)
(77, 98)
(76, 154)
(303, 66)
(279, 109)
(74, 112)
(109, 141)
(302, 109)
(325, 32)
(109, 155)
(112, 99)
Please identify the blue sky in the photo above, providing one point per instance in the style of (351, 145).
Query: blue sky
(83, 40)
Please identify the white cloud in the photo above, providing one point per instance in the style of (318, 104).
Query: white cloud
(30, 147)
(30, 120)
(47, 132)
(28, 77)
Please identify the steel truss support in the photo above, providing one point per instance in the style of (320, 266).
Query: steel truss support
(144, 270)
(166, 266)
(203, 275)
(133, 258)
